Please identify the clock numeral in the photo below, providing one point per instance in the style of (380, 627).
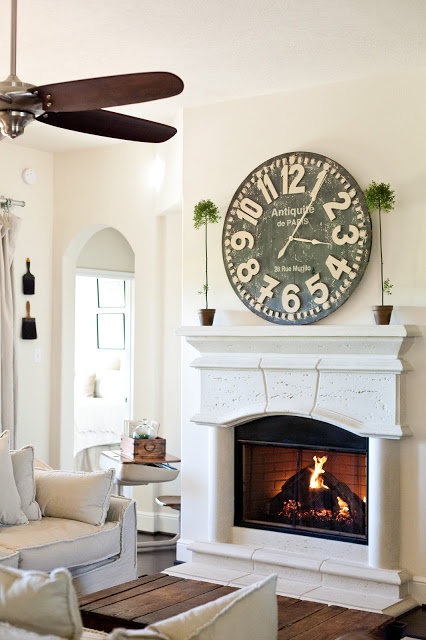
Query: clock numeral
(246, 270)
(249, 210)
(242, 239)
(267, 292)
(265, 184)
(331, 207)
(337, 267)
(290, 301)
(350, 238)
(314, 285)
(318, 184)
(293, 187)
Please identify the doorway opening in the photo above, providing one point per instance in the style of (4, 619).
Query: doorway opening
(103, 363)
(103, 345)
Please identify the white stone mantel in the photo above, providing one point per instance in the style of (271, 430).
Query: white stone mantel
(378, 340)
(350, 376)
(345, 375)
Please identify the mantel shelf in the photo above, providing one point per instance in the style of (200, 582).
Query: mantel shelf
(324, 331)
(372, 341)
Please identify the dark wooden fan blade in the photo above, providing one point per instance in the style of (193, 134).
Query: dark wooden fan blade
(110, 125)
(110, 91)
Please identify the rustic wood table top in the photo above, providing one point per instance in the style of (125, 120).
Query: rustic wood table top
(149, 599)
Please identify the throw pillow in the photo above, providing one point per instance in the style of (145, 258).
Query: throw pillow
(84, 384)
(8, 632)
(40, 602)
(75, 495)
(23, 471)
(250, 613)
(10, 502)
(109, 384)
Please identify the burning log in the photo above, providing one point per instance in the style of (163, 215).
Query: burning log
(316, 498)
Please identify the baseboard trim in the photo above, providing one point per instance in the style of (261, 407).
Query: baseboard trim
(157, 522)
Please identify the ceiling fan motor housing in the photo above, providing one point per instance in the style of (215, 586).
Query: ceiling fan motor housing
(13, 123)
(19, 105)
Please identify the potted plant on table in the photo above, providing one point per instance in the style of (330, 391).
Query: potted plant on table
(205, 213)
(381, 198)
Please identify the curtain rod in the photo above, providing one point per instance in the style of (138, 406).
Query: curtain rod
(8, 202)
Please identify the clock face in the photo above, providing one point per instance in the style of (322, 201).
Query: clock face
(296, 238)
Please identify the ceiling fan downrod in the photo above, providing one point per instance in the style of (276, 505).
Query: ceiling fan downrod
(22, 105)
(13, 32)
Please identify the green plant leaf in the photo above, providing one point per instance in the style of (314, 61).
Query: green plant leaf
(387, 287)
(205, 212)
(379, 197)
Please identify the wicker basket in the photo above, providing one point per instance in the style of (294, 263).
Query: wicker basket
(143, 449)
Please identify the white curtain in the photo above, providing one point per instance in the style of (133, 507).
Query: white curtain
(9, 225)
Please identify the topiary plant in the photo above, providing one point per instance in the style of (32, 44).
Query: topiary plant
(205, 213)
(380, 197)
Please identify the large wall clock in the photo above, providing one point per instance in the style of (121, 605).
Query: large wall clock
(296, 238)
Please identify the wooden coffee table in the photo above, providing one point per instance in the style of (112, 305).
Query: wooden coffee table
(141, 602)
(147, 600)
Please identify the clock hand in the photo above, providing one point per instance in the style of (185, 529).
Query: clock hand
(283, 250)
(313, 241)
(318, 184)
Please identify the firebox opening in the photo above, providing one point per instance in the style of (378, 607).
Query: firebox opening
(301, 476)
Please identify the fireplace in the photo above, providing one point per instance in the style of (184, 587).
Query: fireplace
(301, 476)
(340, 394)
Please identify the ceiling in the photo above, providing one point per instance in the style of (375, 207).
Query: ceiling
(222, 49)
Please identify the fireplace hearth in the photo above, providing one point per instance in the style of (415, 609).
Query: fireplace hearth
(301, 476)
(340, 392)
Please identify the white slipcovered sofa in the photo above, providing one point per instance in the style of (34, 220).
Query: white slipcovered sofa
(35, 606)
(51, 519)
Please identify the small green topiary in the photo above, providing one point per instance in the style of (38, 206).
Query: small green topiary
(380, 197)
(205, 213)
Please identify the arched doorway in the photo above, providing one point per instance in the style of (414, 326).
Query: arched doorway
(103, 358)
(101, 250)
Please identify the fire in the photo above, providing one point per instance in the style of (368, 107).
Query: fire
(343, 506)
(317, 481)
(314, 498)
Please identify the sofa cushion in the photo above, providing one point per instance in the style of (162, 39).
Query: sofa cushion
(23, 472)
(250, 613)
(9, 558)
(76, 495)
(145, 634)
(10, 502)
(40, 602)
(56, 542)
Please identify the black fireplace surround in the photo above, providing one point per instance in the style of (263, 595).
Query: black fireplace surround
(301, 476)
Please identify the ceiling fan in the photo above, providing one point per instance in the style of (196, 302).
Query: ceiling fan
(79, 105)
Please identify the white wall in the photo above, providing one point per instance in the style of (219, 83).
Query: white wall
(107, 250)
(94, 190)
(34, 241)
(373, 127)
(112, 186)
